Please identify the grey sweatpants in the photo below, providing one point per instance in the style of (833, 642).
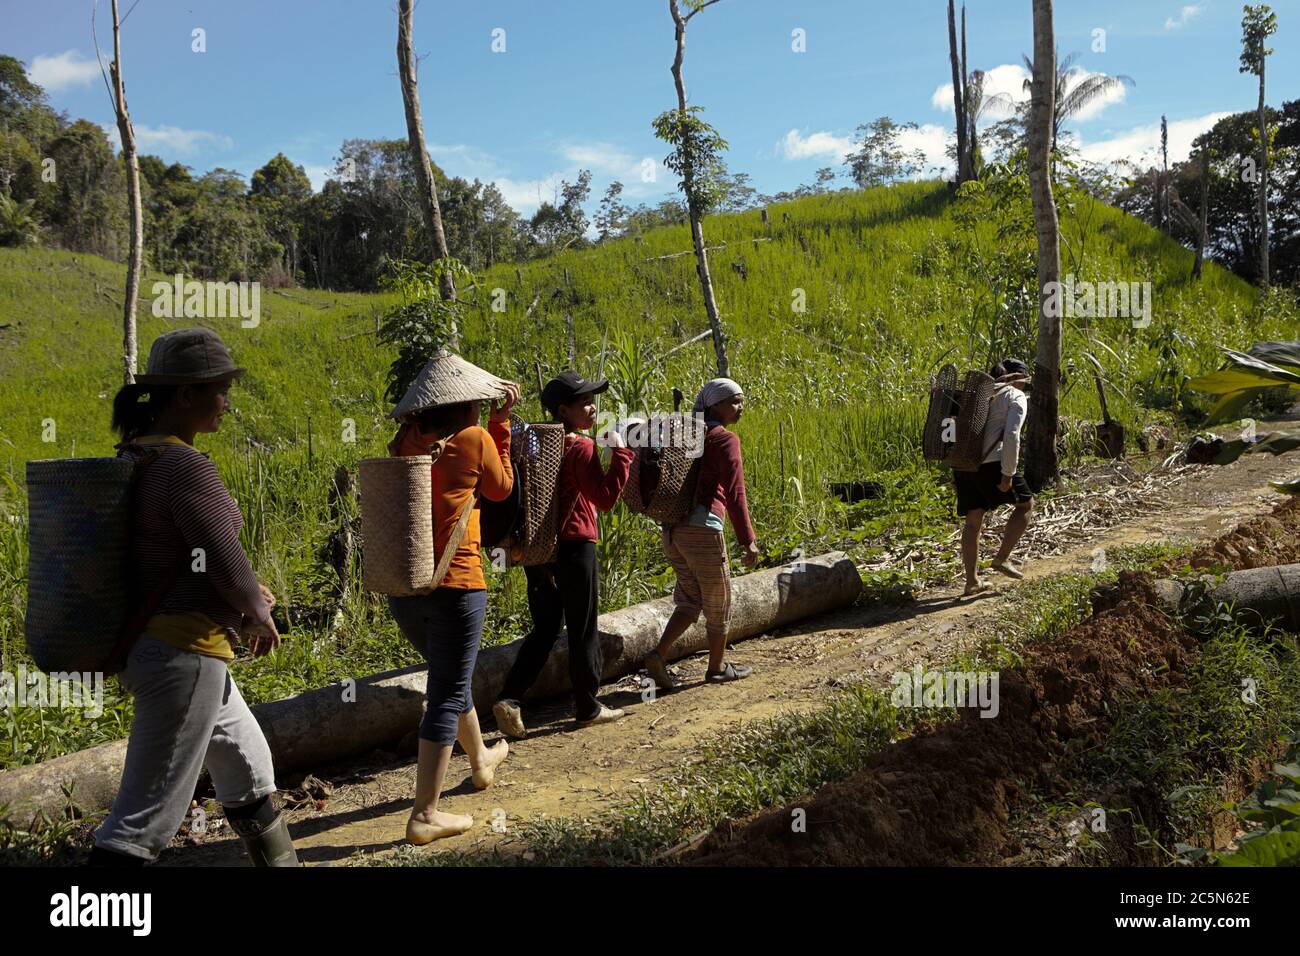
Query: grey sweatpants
(188, 715)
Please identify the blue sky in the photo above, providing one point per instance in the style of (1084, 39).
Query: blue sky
(580, 80)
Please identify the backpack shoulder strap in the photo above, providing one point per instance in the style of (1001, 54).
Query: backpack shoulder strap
(453, 541)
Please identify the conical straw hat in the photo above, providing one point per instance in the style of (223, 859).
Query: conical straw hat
(446, 380)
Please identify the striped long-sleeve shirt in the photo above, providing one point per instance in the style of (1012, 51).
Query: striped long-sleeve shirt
(185, 524)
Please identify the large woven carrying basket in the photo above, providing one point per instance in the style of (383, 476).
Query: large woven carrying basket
(397, 555)
(537, 452)
(973, 412)
(944, 404)
(79, 550)
(662, 481)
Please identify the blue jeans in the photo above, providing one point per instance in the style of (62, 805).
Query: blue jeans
(445, 627)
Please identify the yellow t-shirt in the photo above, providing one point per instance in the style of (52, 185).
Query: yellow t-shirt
(188, 630)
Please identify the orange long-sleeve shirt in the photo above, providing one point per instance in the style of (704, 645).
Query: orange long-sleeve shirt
(473, 459)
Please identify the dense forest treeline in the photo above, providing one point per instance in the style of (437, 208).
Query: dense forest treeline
(63, 185)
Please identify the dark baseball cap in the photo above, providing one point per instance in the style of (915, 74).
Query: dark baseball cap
(1011, 367)
(567, 386)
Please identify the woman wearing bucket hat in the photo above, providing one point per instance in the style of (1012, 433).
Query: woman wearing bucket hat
(564, 594)
(997, 481)
(198, 593)
(440, 413)
(696, 547)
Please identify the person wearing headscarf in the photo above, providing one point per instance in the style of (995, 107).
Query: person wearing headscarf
(441, 411)
(998, 481)
(696, 548)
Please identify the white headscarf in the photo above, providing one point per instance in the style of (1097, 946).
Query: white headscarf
(714, 391)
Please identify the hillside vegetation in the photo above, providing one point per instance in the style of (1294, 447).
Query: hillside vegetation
(895, 281)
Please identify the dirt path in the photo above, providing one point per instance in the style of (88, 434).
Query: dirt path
(559, 771)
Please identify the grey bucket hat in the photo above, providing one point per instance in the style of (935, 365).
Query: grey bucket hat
(188, 357)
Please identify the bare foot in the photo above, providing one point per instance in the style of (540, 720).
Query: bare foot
(979, 587)
(486, 772)
(1007, 568)
(426, 827)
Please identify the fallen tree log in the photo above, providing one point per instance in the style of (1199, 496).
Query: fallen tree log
(346, 719)
(1262, 595)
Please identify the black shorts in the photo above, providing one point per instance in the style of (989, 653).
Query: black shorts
(978, 490)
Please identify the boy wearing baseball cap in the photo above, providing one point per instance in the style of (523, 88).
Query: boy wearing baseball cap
(564, 593)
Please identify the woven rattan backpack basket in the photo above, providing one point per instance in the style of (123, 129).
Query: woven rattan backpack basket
(79, 553)
(537, 452)
(396, 495)
(961, 412)
(662, 481)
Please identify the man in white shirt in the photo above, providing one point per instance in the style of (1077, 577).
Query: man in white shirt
(997, 481)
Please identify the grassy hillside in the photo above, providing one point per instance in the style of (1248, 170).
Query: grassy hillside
(835, 392)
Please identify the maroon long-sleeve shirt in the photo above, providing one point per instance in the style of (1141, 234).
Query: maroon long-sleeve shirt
(721, 483)
(582, 477)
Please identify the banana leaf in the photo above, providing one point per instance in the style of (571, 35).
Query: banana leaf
(1285, 354)
(1247, 377)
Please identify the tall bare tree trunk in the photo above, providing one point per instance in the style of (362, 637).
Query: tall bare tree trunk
(697, 227)
(1263, 182)
(958, 94)
(1203, 236)
(135, 257)
(1041, 464)
(406, 72)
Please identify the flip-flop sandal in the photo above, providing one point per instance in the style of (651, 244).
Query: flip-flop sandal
(1009, 570)
(729, 673)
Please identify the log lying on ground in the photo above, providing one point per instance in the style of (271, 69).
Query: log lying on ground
(1264, 595)
(339, 721)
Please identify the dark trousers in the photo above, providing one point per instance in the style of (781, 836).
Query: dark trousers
(445, 627)
(560, 592)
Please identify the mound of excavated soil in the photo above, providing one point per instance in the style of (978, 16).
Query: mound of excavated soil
(944, 796)
(1264, 542)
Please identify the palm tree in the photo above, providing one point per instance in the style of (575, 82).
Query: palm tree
(1075, 89)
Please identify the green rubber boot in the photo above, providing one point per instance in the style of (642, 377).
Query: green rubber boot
(267, 845)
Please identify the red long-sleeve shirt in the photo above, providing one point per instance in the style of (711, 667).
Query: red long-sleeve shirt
(721, 483)
(581, 477)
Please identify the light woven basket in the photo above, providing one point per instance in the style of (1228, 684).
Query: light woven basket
(396, 494)
(537, 453)
(79, 549)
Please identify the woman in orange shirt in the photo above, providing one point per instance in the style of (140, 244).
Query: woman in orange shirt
(446, 625)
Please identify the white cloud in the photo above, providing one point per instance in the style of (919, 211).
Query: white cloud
(1185, 16)
(794, 145)
(525, 195)
(1008, 82)
(1141, 144)
(931, 139)
(318, 173)
(61, 72)
(171, 140)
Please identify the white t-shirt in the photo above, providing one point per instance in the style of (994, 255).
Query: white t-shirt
(1007, 413)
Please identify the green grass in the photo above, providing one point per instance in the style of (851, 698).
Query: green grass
(836, 392)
